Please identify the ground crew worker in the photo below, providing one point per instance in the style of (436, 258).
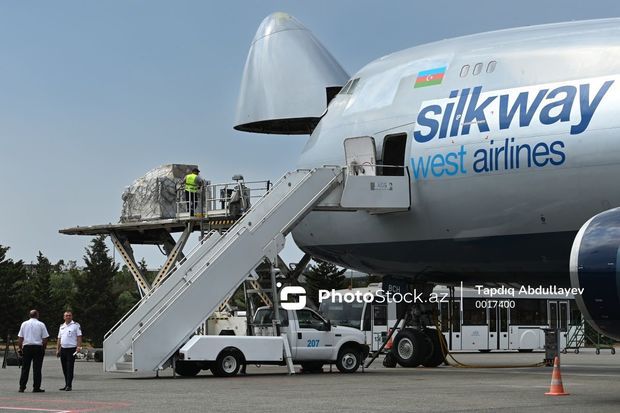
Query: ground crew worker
(69, 343)
(193, 183)
(32, 341)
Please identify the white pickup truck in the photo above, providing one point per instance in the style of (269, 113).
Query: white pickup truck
(312, 340)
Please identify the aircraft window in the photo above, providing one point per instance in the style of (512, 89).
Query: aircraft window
(491, 66)
(477, 69)
(464, 70)
(353, 86)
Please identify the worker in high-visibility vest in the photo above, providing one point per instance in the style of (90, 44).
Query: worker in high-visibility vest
(193, 185)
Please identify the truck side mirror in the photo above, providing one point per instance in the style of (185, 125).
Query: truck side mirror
(328, 325)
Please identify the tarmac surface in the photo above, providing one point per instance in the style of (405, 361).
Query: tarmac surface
(591, 380)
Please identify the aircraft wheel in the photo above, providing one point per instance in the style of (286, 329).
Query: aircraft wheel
(411, 347)
(436, 356)
(598, 351)
(613, 350)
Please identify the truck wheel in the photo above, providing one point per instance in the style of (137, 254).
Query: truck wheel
(186, 368)
(436, 356)
(312, 367)
(349, 359)
(228, 363)
(412, 347)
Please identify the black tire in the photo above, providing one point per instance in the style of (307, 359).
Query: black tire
(598, 351)
(390, 360)
(98, 356)
(411, 347)
(228, 363)
(312, 367)
(349, 359)
(613, 350)
(436, 356)
(576, 351)
(186, 368)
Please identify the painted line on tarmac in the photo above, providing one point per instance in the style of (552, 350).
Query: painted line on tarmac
(33, 409)
(87, 406)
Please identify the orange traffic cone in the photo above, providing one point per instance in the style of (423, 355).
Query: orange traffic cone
(556, 388)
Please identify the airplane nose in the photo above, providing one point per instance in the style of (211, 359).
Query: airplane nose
(277, 22)
(287, 78)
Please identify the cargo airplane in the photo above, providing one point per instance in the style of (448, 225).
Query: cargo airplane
(509, 139)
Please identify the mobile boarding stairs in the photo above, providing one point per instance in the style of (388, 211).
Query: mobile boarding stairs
(149, 335)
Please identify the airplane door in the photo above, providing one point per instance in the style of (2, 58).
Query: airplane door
(361, 155)
(394, 155)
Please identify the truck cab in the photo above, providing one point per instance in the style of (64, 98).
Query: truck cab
(312, 341)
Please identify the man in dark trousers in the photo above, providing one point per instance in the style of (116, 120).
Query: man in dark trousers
(193, 186)
(32, 340)
(69, 343)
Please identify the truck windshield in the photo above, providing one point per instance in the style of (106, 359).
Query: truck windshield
(343, 314)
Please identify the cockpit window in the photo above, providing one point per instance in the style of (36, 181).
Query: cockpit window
(353, 86)
(350, 86)
(346, 87)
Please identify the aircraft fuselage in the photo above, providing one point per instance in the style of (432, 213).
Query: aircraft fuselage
(511, 146)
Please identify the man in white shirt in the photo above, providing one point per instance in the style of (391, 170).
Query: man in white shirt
(32, 340)
(69, 342)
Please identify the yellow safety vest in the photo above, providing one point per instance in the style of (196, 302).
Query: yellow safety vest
(190, 183)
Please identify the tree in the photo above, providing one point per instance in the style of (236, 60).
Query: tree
(125, 288)
(323, 276)
(62, 288)
(40, 291)
(95, 302)
(13, 310)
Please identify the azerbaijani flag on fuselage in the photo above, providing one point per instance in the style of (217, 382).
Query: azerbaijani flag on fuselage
(430, 77)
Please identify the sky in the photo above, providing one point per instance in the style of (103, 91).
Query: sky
(95, 93)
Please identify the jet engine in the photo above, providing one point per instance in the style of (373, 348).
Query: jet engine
(595, 267)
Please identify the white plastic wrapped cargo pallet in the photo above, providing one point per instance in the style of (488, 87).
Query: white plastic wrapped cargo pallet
(153, 195)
